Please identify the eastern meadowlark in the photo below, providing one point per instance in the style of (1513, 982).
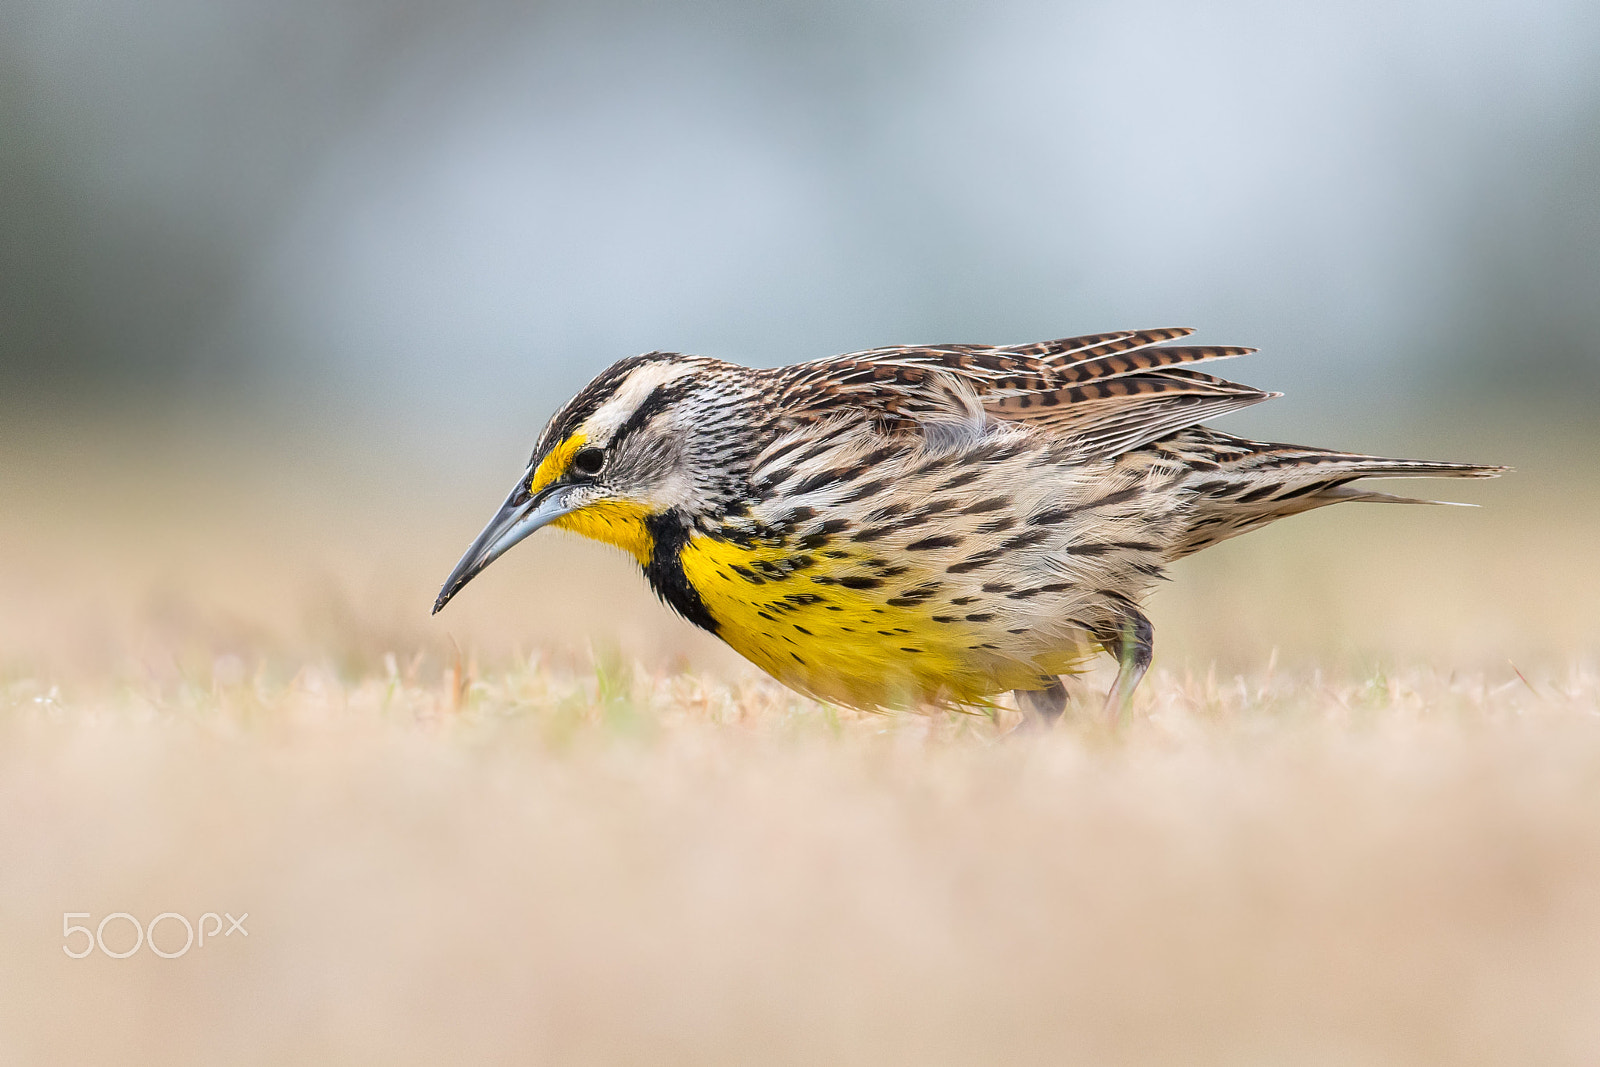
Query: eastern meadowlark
(921, 526)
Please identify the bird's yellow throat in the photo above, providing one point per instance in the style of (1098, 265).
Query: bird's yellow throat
(613, 522)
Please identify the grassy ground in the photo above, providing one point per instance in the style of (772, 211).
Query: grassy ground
(1355, 820)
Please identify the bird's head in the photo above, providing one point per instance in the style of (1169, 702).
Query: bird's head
(653, 436)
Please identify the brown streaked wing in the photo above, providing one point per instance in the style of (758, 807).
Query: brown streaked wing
(977, 364)
(891, 384)
(1073, 349)
(1137, 361)
(1114, 415)
(891, 392)
(1115, 390)
(1186, 374)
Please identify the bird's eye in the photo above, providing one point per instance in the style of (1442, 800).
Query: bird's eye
(588, 461)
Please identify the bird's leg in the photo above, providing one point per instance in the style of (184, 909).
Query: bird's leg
(1131, 643)
(1042, 707)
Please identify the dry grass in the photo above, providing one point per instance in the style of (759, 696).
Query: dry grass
(560, 868)
(479, 841)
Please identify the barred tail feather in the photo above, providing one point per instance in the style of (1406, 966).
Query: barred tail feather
(1241, 485)
(1350, 492)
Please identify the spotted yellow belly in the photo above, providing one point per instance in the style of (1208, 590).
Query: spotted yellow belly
(817, 624)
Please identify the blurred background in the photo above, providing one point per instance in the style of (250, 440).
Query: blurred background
(314, 274)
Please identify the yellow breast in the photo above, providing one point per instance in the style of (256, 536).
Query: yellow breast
(822, 623)
(819, 624)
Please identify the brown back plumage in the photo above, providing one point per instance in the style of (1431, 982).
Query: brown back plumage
(1107, 392)
(1105, 395)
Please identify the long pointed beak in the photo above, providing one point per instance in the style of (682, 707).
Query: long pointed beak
(518, 517)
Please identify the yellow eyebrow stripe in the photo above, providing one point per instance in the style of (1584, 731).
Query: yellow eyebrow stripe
(556, 463)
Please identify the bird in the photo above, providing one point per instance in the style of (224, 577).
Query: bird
(923, 527)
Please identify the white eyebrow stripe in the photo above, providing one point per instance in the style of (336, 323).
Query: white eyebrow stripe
(635, 390)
